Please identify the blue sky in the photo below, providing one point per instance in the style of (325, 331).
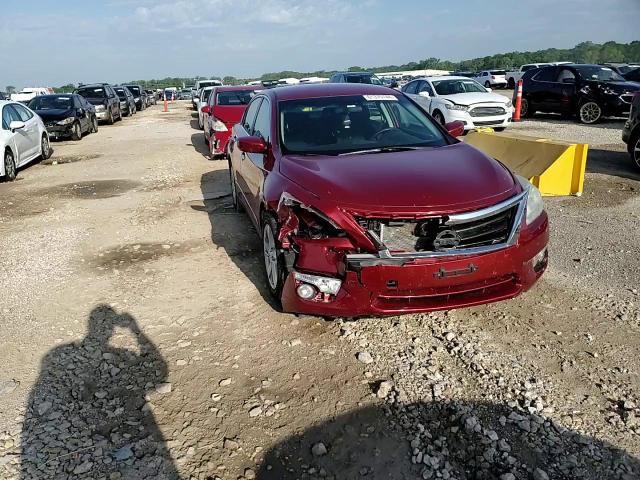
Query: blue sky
(50, 43)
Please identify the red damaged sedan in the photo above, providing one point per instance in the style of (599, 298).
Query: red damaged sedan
(366, 206)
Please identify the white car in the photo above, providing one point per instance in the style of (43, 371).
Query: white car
(492, 78)
(23, 138)
(450, 98)
(201, 101)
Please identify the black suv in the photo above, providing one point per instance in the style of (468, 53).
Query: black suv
(127, 103)
(139, 95)
(588, 91)
(355, 77)
(104, 98)
(631, 131)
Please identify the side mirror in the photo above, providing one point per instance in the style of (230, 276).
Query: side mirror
(424, 94)
(16, 125)
(205, 109)
(455, 129)
(488, 89)
(252, 144)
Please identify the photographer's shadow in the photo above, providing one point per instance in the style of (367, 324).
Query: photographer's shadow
(87, 415)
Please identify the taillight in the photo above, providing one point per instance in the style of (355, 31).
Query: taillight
(493, 77)
(219, 126)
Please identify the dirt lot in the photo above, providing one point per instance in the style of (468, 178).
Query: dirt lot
(138, 341)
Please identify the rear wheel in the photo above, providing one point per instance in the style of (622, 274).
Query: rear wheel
(76, 132)
(110, 119)
(589, 113)
(45, 148)
(525, 109)
(10, 170)
(511, 83)
(634, 148)
(487, 84)
(273, 262)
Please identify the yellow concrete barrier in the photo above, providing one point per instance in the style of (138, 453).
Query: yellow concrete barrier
(556, 168)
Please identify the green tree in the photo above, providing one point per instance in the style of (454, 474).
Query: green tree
(10, 89)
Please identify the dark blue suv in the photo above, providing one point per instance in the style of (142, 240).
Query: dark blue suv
(631, 131)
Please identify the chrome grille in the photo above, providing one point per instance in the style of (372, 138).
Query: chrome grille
(436, 235)
(487, 111)
(627, 97)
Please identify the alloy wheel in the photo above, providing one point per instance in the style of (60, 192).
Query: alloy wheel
(636, 152)
(44, 147)
(270, 256)
(590, 112)
(9, 166)
(524, 107)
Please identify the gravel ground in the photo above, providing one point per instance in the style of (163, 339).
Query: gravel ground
(139, 342)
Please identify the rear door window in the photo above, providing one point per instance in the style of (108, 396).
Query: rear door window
(250, 116)
(546, 74)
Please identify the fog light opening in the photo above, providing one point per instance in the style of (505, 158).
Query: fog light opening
(306, 291)
(540, 261)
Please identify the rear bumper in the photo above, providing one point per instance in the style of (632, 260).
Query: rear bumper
(422, 285)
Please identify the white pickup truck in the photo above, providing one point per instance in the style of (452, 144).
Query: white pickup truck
(514, 76)
(27, 94)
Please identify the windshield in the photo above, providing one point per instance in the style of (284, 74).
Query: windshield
(602, 74)
(452, 87)
(121, 93)
(134, 90)
(51, 103)
(335, 125)
(235, 97)
(97, 92)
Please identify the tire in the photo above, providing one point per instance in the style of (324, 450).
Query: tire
(45, 147)
(110, 120)
(487, 84)
(499, 129)
(589, 113)
(525, 109)
(237, 207)
(634, 148)
(76, 132)
(273, 261)
(119, 115)
(438, 117)
(10, 169)
(511, 83)
(94, 125)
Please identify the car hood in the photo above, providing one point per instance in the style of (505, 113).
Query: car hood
(56, 114)
(619, 87)
(475, 97)
(427, 181)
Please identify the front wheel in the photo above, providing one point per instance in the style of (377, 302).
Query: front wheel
(110, 120)
(94, 125)
(10, 170)
(590, 113)
(525, 109)
(273, 262)
(487, 84)
(634, 149)
(76, 132)
(438, 117)
(234, 190)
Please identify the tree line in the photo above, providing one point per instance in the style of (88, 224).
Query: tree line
(585, 52)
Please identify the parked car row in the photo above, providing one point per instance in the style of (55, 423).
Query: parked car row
(27, 129)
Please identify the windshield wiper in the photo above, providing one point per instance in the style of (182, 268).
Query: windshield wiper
(380, 150)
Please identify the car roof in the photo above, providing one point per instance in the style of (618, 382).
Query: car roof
(444, 77)
(315, 90)
(92, 85)
(229, 88)
(58, 95)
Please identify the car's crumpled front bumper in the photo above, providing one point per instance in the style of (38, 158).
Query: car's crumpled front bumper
(388, 286)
